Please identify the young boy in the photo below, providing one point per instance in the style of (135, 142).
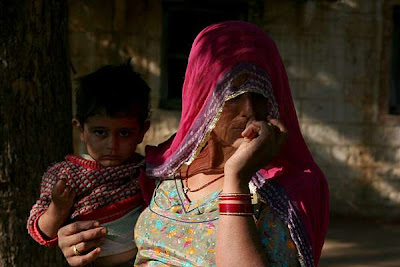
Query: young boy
(109, 184)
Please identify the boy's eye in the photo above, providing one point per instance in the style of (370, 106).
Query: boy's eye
(124, 133)
(101, 133)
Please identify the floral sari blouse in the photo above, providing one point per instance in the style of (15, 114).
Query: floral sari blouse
(173, 231)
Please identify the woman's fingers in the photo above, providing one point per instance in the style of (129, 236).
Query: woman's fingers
(87, 236)
(280, 130)
(255, 128)
(269, 135)
(84, 247)
(277, 123)
(84, 259)
(252, 130)
(78, 227)
(263, 141)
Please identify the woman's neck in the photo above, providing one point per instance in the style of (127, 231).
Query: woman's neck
(202, 185)
(205, 174)
(211, 159)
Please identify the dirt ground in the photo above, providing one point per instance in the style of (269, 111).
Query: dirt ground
(359, 243)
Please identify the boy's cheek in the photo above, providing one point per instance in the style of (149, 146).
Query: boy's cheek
(132, 142)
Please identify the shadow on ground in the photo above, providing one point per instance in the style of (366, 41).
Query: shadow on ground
(354, 242)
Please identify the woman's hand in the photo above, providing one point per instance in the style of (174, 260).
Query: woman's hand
(262, 142)
(238, 235)
(87, 236)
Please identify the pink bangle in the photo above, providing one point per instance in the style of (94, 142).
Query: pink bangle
(241, 209)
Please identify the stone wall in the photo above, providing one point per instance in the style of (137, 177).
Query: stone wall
(337, 55)
(333, 52)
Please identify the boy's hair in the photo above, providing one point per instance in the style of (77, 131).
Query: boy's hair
(112, 91)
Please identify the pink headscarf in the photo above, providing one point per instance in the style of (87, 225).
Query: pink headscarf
(220, 53)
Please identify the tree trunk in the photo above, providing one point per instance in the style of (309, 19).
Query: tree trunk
(35, 115)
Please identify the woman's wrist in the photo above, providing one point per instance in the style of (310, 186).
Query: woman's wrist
(233, 183)
(235, 204)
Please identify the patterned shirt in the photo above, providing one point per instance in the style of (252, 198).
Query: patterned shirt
(102, 193)
(173, 231)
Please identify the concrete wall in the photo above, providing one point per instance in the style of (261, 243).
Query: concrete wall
(333, 52)
(337, 55)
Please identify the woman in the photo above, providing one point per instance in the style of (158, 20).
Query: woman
(236, 101)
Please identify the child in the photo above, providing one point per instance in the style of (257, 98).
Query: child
(109, 184)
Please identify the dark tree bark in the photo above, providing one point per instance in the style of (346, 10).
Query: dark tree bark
(35, 115)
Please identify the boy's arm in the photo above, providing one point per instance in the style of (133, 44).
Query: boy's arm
(42, 205)
(58, 211)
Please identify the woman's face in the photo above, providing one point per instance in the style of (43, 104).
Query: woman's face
(236, 114)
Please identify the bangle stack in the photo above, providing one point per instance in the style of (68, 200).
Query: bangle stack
(236, 204)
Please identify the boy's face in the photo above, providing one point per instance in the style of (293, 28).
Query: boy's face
(111, 141)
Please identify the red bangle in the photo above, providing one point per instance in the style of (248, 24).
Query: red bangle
(245, 209)
(234, 196)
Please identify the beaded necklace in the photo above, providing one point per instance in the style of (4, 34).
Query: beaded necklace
(187, 189)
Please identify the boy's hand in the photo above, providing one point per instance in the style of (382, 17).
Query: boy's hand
(62, 196)
(62, 199)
